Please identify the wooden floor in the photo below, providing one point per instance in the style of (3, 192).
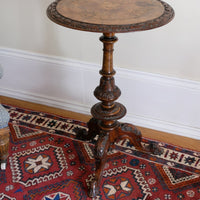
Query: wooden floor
(148, 133)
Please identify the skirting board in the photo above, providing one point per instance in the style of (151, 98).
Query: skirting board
(152, 101)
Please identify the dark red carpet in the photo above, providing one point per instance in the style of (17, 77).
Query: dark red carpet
(48, 162)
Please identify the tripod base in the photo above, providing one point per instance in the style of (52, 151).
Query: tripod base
(106, 141)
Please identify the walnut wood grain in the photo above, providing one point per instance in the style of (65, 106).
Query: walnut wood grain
(112, 12)
(113, 16)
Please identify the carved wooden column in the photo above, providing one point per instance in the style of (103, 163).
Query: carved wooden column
(108, 111)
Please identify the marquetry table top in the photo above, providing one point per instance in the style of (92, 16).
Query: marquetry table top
(110, 15)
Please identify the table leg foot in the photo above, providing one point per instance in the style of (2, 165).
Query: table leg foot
(154, 148)
(93, 190)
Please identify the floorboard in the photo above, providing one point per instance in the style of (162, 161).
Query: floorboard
(184, 142)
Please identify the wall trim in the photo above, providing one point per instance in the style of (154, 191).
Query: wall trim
(81, 99)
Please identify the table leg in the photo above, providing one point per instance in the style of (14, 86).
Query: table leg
(101, 149)
(129, 131)
(93, 130)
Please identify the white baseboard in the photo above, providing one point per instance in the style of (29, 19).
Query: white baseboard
(153, 101)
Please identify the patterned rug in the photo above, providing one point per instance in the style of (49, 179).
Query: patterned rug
(48, 162)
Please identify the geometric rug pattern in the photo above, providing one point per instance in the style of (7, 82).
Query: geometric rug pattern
(48, 162)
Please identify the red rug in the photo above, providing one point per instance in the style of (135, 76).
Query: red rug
(48, 162)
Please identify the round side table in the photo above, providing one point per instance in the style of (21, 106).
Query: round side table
(110, 17)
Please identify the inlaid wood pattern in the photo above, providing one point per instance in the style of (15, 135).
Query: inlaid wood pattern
(113, 16)
(111, 12)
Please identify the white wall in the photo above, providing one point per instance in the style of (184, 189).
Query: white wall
(169, 101)
(170, 50)
(154, 101)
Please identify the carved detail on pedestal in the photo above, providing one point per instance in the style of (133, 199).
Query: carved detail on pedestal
(101, 146)
(129, 131)
(115, 113)
(107, 91)
(125, 127)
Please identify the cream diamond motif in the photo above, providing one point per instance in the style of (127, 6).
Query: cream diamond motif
(37, 165)
(41, 162)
